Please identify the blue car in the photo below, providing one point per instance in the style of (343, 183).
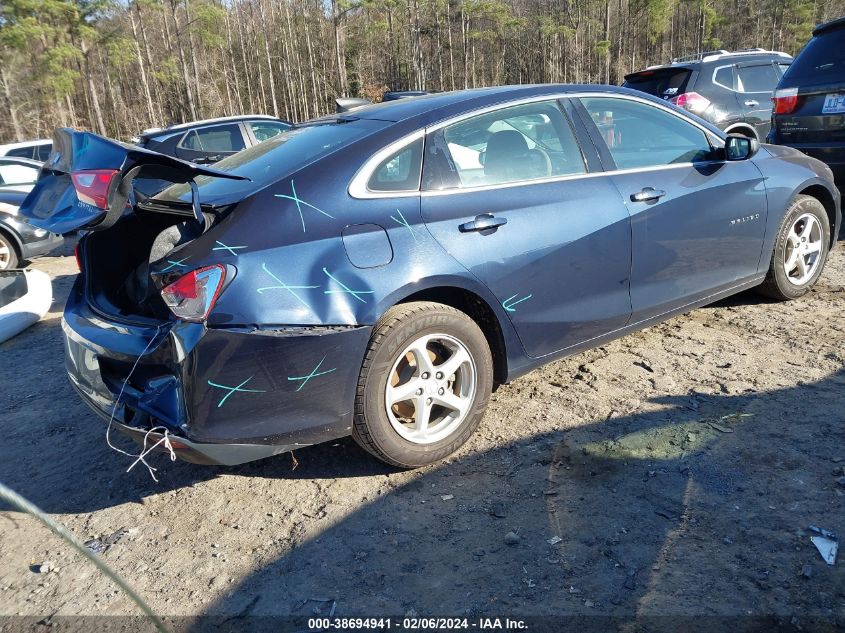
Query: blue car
(377, 273)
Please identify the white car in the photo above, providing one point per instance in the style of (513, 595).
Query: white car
(38, 149)
(18, 174)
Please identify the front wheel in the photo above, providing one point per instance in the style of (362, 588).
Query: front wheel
(424, 384)
(800, 251)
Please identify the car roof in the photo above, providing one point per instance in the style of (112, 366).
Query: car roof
(155, 131)
(829, 26)
(444, 104)
(692, 61)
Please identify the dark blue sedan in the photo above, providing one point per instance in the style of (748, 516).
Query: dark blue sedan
(377, 273)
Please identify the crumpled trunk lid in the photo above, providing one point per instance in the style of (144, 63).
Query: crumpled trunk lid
(54, 203)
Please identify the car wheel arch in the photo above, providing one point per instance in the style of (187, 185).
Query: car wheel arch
(823, 195)
(14, 238)
(498, 331)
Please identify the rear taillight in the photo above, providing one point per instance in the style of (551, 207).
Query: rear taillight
(691, 101)
(92, 186)
(192, 296)
(785, 100)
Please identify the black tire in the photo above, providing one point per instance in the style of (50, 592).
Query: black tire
(396, 330)
(8, 246)
(778, 285)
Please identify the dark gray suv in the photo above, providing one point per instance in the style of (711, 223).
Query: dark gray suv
(732, 90)
(810, 100)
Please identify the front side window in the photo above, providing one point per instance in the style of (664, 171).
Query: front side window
(520, 143)
(642, 135)
(400, 171)
(762, 78)
(219, 138)
(262, 130)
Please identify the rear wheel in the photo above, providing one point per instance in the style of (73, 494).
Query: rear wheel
(800, 250)
(424, 384)
(8, 254)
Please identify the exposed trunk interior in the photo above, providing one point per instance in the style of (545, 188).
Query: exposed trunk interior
(117, 261)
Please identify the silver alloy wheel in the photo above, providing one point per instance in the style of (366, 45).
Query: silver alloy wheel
(5, 255)
(802, 254)
(430, 388)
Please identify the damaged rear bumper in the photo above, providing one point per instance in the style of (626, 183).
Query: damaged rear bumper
(225, 395)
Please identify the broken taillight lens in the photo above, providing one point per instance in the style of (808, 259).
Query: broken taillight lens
(785, 100)
(92, 186)
(691, 101)
(192, 296)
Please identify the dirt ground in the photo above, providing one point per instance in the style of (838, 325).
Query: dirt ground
(674, 472)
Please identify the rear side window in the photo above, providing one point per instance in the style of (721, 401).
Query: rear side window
(724, 77)
(400, 171)
(760, 78)
(640, 135)
(262, 130)
(663, 82)
(822, 61)
(220, 138)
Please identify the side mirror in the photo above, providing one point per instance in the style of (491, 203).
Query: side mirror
(740, 147)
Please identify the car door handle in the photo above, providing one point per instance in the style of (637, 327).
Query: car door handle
(648, 194)
(483, 222)
(751, 103)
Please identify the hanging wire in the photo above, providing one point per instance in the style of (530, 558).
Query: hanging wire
(13, 498)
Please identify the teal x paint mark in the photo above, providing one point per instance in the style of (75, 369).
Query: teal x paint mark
(299, 204)
(223, 247)
(173, 264)
(404, 223)
(346, 289)
(314, 373)
(231, 390)
(509, 303)
(283, 286)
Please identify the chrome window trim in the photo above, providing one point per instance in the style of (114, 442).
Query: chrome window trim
(358, 185)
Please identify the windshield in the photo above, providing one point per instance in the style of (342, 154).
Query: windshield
(275, 158)
(821, 62)
(664, 82)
